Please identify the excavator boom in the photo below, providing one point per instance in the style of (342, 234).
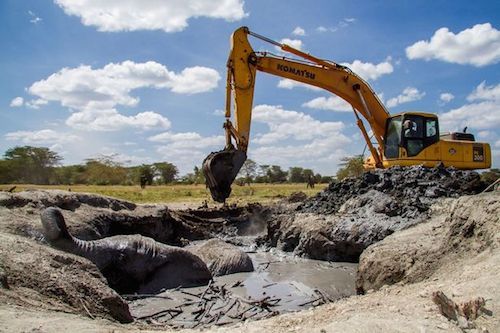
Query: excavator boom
(221, 168)
(394, 147)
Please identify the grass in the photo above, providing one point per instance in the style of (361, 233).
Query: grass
(262, 193)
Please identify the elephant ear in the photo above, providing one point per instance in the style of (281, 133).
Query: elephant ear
(54, 226)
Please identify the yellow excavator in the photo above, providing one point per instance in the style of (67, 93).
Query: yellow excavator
(404, 139)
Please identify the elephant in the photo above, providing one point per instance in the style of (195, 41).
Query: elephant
(222, 258)
(130, 263)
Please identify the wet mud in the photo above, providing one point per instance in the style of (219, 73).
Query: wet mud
(281, 283)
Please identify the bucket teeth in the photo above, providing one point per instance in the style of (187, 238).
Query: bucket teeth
(220, 169)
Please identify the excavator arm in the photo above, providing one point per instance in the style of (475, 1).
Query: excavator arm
(221, 168)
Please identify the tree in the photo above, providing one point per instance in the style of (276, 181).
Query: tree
(69, 174)
(308, 174)
(275, 174)
(104, 171)
(262, 174)
(350, 167)
(146, 175)
(296, 175)
(248, 171)
(317, 178)
(199, 177)
(326, 179)
(167, 171)
(6, 174)
(31, 165)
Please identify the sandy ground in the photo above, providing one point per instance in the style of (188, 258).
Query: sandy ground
(394, 309)
(464, 273)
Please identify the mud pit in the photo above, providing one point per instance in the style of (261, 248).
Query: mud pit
(280, 283)
(337, 225)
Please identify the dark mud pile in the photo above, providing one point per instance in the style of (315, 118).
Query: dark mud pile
(413, 189)
(340, 222)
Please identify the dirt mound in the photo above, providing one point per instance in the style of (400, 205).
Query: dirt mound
(459, 228)
(347, 217)
(297, 197)
(412, 189)
(37, 275)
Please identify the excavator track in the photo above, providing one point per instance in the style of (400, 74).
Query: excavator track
(220, 169)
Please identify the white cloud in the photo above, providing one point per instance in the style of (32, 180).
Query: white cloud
(95, 93)
(298, 31)
(295, 43)
(42, 137)
(478, 46)
(36, 103)
(187, 140)
(497, 144)
(322, 154)
(485, 93)
(410, 94)
(16, 102)
(295, 138)
(369, 71)
(446, 97)
(290, 84)
(34, 18)
(333, 103)
(131, 15)
(193, 80)
(122, 158)
(486, 135)
(219, 113)
(86, 88)
(285, 124)
(186, 149)
(111, 120)
(482, 114)
(344, 23)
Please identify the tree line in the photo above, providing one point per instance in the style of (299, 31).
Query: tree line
(40, 165)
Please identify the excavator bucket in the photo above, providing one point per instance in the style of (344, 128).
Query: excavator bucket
(220, 169)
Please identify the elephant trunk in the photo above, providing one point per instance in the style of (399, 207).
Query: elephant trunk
(57, 234)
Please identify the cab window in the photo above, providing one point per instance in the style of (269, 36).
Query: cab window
(413, 127)
(393, 138)
(431, 128)
(419, 132)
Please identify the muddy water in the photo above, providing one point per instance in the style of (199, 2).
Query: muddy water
(280, 283)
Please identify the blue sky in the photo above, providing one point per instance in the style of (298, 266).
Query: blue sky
(144, 80)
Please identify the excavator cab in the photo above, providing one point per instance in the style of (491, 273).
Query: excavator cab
(413, 131)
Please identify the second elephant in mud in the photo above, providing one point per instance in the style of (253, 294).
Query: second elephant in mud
(222, 258)
(130, 263)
